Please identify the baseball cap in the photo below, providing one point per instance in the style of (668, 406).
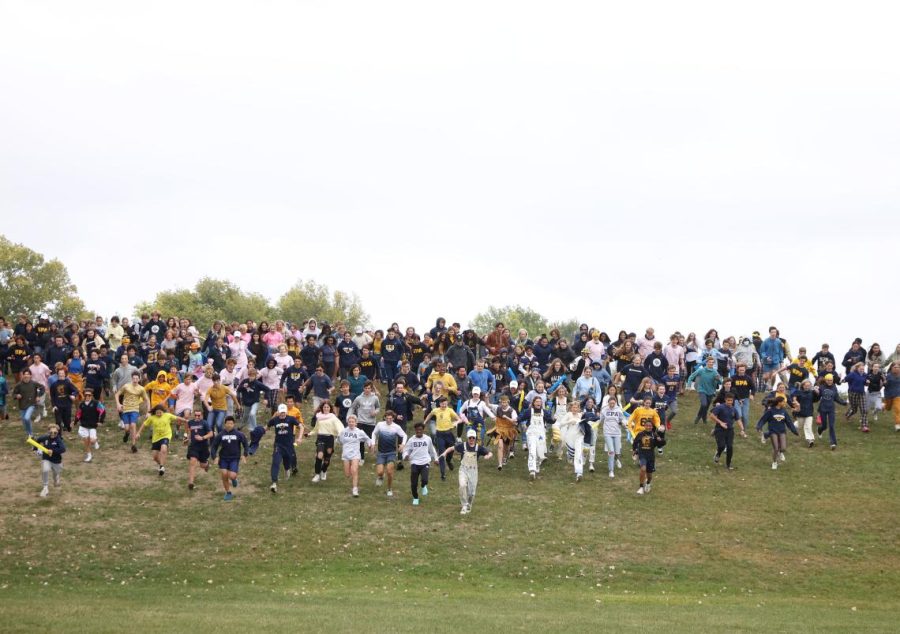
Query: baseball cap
(513, 384)
(476, 390)
(282, 408)
(471, 434)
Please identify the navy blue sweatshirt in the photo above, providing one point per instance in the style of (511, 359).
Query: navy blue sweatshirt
(293, 378)
(55, 445)
(392, 350)
(249, 392)
(350, 354)
(285, 430)
(827, 397)
(778, 420)
(228, 445)
(805, 398)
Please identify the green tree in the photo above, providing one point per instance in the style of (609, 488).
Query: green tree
(513, 317)
(211, 299)
(30, 284)
(307, 299)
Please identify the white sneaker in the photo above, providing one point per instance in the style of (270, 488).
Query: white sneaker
(96, 445)
(355, 492)
(362, 463)
(88, 457)
(612, 474)
(378, 482)
(532, 475)
(591, 467)
(273, 488)
(640, 491)
(464, 510)
(647, 487)
(390, 493)
(618, 464)
(56, 481)
(324, 476)
(781, 457)
(316, 478)
(578, 478)
(762, 439)
(774, 465)
(45, 492)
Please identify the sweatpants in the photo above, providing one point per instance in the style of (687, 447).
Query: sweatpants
(468, 482)
(282, 456)
(64, 417)
(46, 468)
(892, 405)
(858, 403)
(725, 443)
(537, 448)
(807, 423)
(874, 402)
(442, 441)
(576, 453)
(418, 472)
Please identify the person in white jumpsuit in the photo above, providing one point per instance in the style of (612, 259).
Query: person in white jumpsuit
(536, 433)
(572, 435)
(469, 452)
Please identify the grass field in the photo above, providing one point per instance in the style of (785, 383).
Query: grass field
(810, 547)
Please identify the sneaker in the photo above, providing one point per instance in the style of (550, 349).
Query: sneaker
(533, 476)
(464, 510)
(618, 464)
(730, 468)
(228, 496)
(578, 478)
(96, 445)
(696, 420)
(390, 493)
(316, 478)
(379, 481)
(234, 482)
(443, 478)
(294, 471)
(591, 468)
(415, 501)
(125, 437)
(45, 492)
(716, 457)
(133, 448)
(512, 454)
(781, 456)
(355, 492)
(647, 487)
(161, 471)
(324, 476)
(896, 427)
(190, 486)
(90, 457)
(762, 439)
(820, 431)
(56, 481)
(640, 491)
(809, 444)
(833, 447)
(659, 450)
(612, 474)
(274, 487)
(499, 467)
(865, 429)
(362, 463)
(425, 490)
(774, 465)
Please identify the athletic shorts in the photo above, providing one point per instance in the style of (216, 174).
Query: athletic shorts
(158, 445)
(229, 465)
(84, 432)
(129, 418)
(201, 453)
(323, 443)
(386, 457)
(648, 462)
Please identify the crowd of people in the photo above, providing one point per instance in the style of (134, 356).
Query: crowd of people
(479, 395)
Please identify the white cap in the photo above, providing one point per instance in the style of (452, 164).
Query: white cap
(471, 434)
(513, 384)
(476, 390)
(282, 408)
(45, 316)
(359, 330)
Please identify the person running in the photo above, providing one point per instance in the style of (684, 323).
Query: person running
(724, 416)
(777, 418)
(184, 394)
(199, 433)
(365, 407)
(613, 421)
(89, 415)
(327, 428)
(874, 383)
(444, 436)
(856, 394)
(63, 394)
(288, 435)
(386, 436)
(51, 462)
(537, 420)
(505, 431)
(469, 452)
(892, 393)
(575, 435)
(352, 438)
(420, 452)
(474, 412)
(27, 393)
(708, 380)
(161, 423)
(129, 399)
(645, 441)
(827, 395)
(216, 401)
(231, 446)
(803, 401)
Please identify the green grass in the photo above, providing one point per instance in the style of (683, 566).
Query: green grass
(810, 547)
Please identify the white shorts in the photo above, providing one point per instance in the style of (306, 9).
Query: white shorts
(84, 432)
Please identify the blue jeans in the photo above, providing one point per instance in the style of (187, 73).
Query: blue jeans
(743, 406)
(828, 421)
(26, 419)
(248, 417)
(215, 419)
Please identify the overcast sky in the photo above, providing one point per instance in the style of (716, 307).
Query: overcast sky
(679, 164)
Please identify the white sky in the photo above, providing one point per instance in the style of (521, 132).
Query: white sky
(439, 157)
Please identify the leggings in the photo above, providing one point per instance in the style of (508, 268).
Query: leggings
(725, 443)
(443, 440)
(416, 472)
(779, 444)
(369, 429)
(324, 446)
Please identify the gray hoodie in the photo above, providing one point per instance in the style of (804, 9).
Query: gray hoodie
(365, 408)
(746, 354)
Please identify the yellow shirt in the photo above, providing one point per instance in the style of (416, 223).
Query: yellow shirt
(295, 412)
(159, 391)
(218, 396)
(640, 416)
(132, 397)
(445, 378)
(445, 419)
(162, 426)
